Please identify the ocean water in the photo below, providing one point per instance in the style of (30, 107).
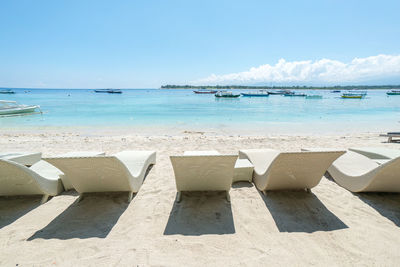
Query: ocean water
(184, 110)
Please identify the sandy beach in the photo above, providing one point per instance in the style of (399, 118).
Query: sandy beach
(331, 226)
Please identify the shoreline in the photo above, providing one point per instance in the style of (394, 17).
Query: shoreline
(290, 129)
(55, 142)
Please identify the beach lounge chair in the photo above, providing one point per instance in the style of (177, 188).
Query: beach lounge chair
(379, 154)
(121, 172)
(40, 179)
(24, 158)
(203, 171)
(390, 136)
(358, 173)
(275, 170)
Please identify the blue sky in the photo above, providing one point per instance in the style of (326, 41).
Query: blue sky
(144, 44)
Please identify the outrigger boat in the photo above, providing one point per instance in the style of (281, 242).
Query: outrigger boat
(294, 94)
(260, 93)
(204, 91)
(13, 108)
(393, 92)
(314, 97)
(352, 95)
(7, 91)
(279, 92)
(226, 94)
(109, 91)
(357, 95)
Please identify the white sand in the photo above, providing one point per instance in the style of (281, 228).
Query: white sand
(329, 227)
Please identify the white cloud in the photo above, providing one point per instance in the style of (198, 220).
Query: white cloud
(323, 71)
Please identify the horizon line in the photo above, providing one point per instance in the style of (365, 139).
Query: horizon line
(188, 85)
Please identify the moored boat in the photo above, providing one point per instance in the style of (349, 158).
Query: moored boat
(278, 92)
(7, 91)
(353, 95)
(295, 94)
(109, 91)
(393, 92)
(260, 93)
(314, 97)
(12, 108)
(204, 91)
(335, 91)
(226, 94)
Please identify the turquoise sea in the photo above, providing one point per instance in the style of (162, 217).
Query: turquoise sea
(184, 110)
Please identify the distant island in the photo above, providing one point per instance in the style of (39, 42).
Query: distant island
(338, 87)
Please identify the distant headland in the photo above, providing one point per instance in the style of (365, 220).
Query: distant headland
(337, 87)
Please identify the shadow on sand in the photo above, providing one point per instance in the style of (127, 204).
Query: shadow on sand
(12, 208)
(387, 204)
(242, 185)
(201, 213)
(94, 216)
(300, 212)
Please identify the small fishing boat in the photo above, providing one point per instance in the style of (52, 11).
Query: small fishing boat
(353, 95)
(7, 91)
(260, 93)
(393, 92)
(205, 91)
(226, 94)
(335, 91)
(314, 97)
(12, 108)
(294, 94)
(279, 92)
(109, 91)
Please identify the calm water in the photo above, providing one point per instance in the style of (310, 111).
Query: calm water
(186, 110)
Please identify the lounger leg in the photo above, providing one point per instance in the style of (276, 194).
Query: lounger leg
(228, 197)
(80, 198)
(308, 190)
(44, 199)
(264, 192)
(130, 197)
(178, 197)
(390, 139)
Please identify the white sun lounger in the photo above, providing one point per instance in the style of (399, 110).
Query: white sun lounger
(358, 173)
(275, 170)
(390, 136)
(203, 171)
(124, 171)
(24, 158)
(40, 179)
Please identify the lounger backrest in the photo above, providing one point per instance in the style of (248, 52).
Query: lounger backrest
(203, 173)
(295, 170)
(16, 179)
(94, 174)
(377, 152)
(385, 178)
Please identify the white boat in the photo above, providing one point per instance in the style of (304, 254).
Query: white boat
(12, 107)
(7, 91)
(226, 94)
(278, 92)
